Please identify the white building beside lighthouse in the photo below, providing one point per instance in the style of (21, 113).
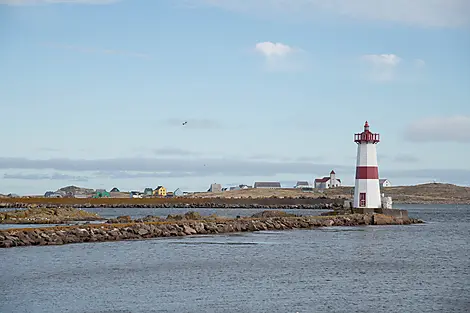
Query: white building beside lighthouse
(367, 187)
(327, 181)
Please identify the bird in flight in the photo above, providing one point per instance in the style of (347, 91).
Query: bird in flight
(184, 123)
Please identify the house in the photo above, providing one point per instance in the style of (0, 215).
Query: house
(178, 193)
(215, 188)
(148, 191)
(160, 191)
(101, 193)
(80, 196)
(269, 185)
(135, 194)
(384, 183)
(169, 194)
(114, 190)
(52, 194)
(328, 181)
(302, 184)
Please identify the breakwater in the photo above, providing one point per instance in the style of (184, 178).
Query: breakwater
(138, 231)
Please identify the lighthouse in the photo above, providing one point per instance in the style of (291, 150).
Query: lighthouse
(367, 187)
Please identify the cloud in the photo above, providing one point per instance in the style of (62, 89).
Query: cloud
(280, 57)
(174, 152)
(270, 49)
(383, 65)
(97, 51)
(421, 13)
(406, 158)
(439, 129)
(55, 176)
(39, 2)
(166, 166)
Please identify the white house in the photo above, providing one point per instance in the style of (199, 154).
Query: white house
(302, 184)
(327, 182)
(384, 183)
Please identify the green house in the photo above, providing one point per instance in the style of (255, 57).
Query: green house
(101, 193)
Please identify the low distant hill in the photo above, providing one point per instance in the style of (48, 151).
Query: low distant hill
(425, 193)
(75, 190)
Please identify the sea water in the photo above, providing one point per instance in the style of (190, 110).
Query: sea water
(416, 268)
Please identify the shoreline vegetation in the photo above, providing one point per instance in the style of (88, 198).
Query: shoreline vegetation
(191, 223)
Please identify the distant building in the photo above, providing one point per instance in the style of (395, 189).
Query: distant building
(52, 194)
(160, 191)
(384, 183)
(302, 184)
(135, 194)
(169, 194)
(328, 182)
(178, 193)
(215, 188)
(114, 190)
(239, 187)
(148, 191)
(269, 185)
(101, 193)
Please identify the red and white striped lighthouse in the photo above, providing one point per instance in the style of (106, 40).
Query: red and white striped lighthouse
(367, 188)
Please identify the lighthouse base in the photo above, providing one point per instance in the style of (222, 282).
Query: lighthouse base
(389, 212)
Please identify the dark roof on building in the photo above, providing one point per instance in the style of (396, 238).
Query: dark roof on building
(302, 183)
(267, 185)
(322, 180)
(382, 180)
(332, 172)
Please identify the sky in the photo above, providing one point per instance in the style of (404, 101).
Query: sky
(94, 93)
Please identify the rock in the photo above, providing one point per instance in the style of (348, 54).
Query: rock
(142, 232)
(188, 230)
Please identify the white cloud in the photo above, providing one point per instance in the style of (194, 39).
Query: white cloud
(280, 57)
(383, 65)
(270, 49)
(440, 129)
(426, 13)
(38, 2)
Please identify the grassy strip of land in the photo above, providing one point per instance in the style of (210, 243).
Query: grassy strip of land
(433, 193)
(47, 216)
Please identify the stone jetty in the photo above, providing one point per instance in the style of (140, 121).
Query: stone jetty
(124, 228)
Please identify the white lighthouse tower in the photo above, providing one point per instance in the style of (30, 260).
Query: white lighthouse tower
(367, 188)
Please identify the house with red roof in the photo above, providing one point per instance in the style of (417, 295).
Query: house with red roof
(327, 181)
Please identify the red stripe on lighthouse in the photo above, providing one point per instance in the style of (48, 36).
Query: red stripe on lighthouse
(367, 172)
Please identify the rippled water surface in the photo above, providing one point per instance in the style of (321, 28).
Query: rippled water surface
(418, 268)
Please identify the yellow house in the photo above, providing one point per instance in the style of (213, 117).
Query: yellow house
(160, 191)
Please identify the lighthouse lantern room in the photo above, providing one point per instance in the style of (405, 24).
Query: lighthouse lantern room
(367, 187)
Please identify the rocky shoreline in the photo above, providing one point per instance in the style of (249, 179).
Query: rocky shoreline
(133, 230)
